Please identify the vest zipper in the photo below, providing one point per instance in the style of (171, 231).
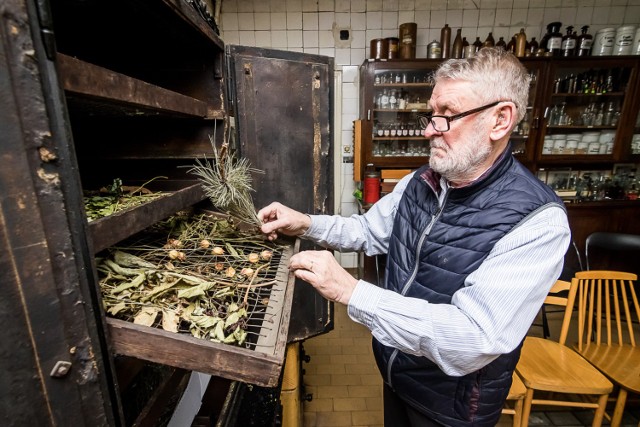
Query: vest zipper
(424, 235)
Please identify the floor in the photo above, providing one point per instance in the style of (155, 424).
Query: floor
(347, 387)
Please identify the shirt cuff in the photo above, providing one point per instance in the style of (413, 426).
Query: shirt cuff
(363, 302)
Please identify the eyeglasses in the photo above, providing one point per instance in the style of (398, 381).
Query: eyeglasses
(441, 123)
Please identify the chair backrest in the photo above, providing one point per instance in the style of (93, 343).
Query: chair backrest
(563, 294)
(607, 308)
(610, 242)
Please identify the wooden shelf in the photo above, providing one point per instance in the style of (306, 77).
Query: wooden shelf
(110, 230)
(401, 85)
(402, 138)
(122, 93)
(583, 127)
(584, 95)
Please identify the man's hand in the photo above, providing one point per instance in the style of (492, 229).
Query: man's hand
(321, 270)
(277, 218)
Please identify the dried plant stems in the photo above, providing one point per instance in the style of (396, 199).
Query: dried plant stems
(227, 183)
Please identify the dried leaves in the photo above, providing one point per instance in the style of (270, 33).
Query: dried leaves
(209, 291)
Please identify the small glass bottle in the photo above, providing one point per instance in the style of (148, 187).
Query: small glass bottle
(465, 47)
(489, 41)
(501, 43)
(477, 45)
(568, 46)
(533, 46)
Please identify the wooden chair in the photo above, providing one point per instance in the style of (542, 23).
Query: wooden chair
(607, 308)
(549, 366)
(516, 396)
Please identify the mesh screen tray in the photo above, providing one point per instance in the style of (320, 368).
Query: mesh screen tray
(257, 361)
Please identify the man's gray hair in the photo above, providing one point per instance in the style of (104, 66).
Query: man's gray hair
(494, 74)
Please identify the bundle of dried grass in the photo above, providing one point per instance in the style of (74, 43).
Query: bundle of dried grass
(227, 183)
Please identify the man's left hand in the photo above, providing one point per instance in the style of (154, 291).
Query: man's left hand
(321, 270)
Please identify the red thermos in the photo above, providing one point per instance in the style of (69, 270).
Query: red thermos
(371, 185)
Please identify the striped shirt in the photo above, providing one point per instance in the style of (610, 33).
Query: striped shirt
(489, 316)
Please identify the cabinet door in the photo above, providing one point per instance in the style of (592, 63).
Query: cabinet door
(527, 132)
(585, 107)
(283, 107)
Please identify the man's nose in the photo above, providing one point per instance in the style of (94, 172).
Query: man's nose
(429, 130)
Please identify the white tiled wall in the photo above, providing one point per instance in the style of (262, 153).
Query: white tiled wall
(313, 26)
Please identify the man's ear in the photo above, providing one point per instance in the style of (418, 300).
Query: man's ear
(503, 121)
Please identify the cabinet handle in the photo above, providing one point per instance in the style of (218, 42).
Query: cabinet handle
(368, 115)
(536, 122)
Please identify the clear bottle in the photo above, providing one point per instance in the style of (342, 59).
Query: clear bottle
(393, 100)
(384, 100)
(584, 42)
(568, 46)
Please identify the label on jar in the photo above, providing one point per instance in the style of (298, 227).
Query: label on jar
(554, 43)
(569, 44)
(585, 44)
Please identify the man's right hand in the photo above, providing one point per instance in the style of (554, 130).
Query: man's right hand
(277, 218)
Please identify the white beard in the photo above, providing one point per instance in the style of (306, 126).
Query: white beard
(459, 163)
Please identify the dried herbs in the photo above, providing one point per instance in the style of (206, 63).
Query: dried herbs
(116, 198)
(199, 275)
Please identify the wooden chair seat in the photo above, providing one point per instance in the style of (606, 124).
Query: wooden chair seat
(576, 376)
(619, 363)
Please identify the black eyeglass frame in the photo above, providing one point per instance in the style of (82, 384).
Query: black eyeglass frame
(429, 117)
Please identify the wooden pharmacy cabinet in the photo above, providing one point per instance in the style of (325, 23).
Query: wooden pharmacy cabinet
(572, 102)
(137, 90)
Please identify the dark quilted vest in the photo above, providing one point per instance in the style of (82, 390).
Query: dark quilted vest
(432, 263)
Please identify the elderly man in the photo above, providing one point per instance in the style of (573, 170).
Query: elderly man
(474, 243)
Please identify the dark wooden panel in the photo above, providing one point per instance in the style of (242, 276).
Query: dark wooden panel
(135, 96)
(284, 109)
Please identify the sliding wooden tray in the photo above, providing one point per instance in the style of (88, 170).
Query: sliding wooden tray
(260, 364)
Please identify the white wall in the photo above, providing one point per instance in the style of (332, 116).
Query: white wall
(313, 26)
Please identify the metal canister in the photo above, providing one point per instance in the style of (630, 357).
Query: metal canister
(393, 43)
(434, 50)
(407, 33)
(379, 49)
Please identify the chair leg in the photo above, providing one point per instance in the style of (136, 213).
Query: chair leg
(526, 410)
(545, 323)
(517, 416)
(619, 409)
(599, 415)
